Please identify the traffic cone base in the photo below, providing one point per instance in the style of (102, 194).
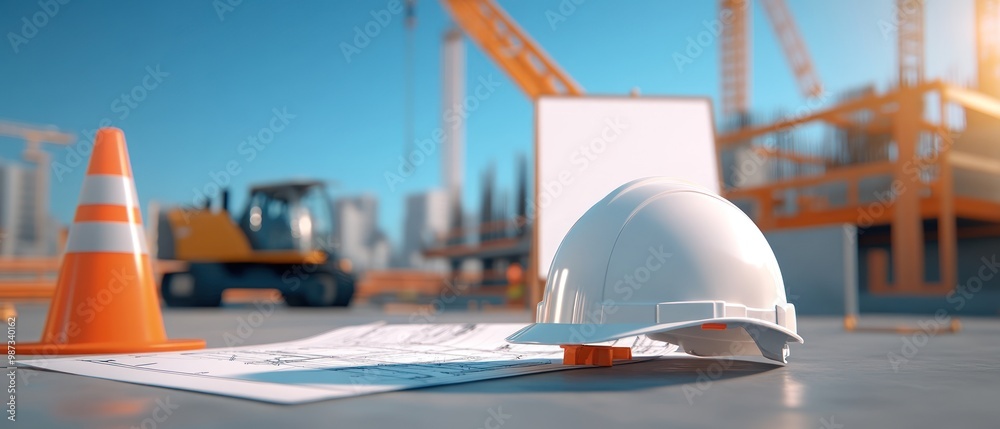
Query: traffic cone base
(51, 349)
(105, 299)
(82, 331)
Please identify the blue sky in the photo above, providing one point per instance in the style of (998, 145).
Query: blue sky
(217, 80)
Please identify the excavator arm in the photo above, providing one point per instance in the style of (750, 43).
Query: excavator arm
(511, 48)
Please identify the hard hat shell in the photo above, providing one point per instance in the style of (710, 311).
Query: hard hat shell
(666, 259)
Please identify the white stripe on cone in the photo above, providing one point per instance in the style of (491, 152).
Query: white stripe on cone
(116, 237)
(108, 189)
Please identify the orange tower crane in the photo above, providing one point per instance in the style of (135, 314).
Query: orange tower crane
(520, 57)
(34, 137)
(496, 34)
(735, 55)
(910, 39)
(793, 47)
(988, 46)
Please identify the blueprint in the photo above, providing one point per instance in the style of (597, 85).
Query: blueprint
(345, 362)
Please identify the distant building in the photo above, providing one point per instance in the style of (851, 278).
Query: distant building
(453, 115)
(426, 219)
(486, 244)
(20, 193)
(356, 231)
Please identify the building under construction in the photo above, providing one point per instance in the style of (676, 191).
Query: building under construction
(913, 169)
(916, 168)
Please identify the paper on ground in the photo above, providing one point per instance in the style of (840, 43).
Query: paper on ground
(351, 361)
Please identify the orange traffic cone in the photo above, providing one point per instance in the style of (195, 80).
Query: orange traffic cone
(105, 300)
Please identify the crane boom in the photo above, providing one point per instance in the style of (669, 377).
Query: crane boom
(34, 137)
(795, 50)
(735, 65)
(511, 48)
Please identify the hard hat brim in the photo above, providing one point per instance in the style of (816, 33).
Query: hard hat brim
(577, 333)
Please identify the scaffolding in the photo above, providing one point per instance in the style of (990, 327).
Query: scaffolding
(892, 161)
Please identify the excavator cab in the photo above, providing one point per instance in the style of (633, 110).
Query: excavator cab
(288, 216)
(282, 240)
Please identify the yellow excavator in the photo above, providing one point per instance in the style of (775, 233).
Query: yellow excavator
(282, 240)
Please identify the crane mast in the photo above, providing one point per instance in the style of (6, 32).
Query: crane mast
(735, 53)
(910, 51)
(735, 67)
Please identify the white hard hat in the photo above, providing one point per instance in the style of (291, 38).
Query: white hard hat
(672, 261)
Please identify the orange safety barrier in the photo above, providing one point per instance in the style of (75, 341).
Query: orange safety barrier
(35, 278)
(28, 278)
(400, 283)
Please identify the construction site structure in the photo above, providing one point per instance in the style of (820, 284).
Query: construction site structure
(531, 68)
(909, 166)
(915, 167)
(29, 243)
(34, 236)
(735, 53)
(501, 241)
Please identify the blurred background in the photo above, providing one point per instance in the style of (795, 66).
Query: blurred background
(380, 152)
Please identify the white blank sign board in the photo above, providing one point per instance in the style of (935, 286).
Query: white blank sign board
(589, 146)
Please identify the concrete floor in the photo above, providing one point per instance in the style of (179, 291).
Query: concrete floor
(835, 380)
